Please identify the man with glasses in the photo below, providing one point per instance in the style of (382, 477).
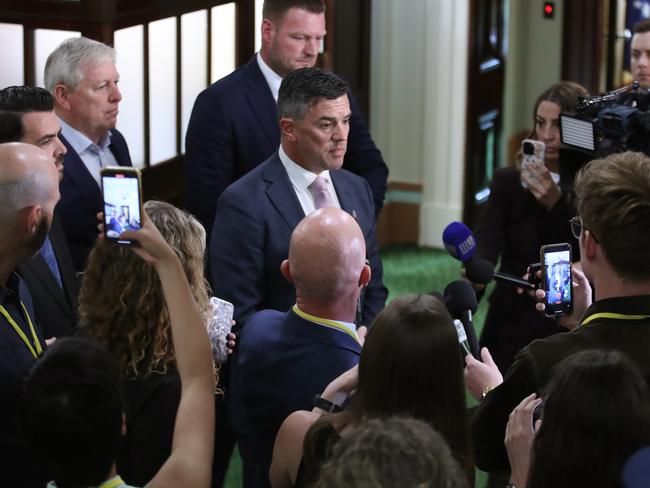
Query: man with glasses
(613, 203)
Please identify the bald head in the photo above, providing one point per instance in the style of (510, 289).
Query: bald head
(27, 179)
(326, 255)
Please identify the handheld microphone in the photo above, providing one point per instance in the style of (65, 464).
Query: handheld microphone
(481, 271)
(459, 241)
(461, 303)
(462, 336)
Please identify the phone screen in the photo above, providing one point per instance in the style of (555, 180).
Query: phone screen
(557, 276)
(121, 203)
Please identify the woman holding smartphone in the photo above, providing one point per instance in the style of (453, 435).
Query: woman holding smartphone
(528, 207)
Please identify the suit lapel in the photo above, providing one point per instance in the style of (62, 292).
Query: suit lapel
(348, 200)
(261, 100)
(66, 265)
(76, 173)
(281, 193)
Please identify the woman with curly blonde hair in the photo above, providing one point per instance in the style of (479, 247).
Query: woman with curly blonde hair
(121, 305)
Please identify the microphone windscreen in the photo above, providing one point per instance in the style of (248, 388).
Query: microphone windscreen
(636, 472)
(459, 241)
(460, 296)
(479, 271)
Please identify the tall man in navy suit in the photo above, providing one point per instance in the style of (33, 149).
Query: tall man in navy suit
(233, 127)
(286, 358)
(81, 76)
(50, 274)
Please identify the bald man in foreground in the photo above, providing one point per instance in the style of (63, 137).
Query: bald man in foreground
(29, 191)
(284, 359)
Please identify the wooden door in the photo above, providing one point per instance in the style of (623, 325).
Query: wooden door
(486, 78)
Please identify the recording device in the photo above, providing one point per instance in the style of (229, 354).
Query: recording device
(531, 151)
(219, 325)
(460, 243)
(532, 275)
(537, 413)
(613, 122)
(556, 277)
(122, 190)
(461, 303)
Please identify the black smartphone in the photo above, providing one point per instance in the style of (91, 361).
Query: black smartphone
(556, 277)
(532, 275)
(122, 190)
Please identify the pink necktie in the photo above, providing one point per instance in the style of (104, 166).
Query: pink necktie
(321, 194)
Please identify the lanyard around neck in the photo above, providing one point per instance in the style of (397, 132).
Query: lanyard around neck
(112, 483)
(21, 334)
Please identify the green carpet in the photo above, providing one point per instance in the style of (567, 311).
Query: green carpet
(407, 269)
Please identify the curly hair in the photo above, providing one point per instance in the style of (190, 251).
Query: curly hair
(393, 451)
(121, 302)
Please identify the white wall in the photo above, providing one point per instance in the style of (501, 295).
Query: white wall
(418, 86)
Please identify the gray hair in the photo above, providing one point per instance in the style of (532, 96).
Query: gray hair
(63, 65)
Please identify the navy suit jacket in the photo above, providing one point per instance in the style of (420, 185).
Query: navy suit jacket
(234, 128)
(281, 362)
(250, 238)
(55, 307)
(81, 199)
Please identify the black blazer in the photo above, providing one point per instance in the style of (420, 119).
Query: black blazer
(81, 199)
(234, 128)
(55, 308)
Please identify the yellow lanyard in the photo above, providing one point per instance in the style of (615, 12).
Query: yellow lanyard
(112, 483)
(611, 315)
(21, 334)
(325, 322)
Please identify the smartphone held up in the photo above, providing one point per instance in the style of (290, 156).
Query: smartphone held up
(122, 191)
(555, 261)
(531, 151)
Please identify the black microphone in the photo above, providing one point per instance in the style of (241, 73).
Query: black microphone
(481, 271)
(461, 303)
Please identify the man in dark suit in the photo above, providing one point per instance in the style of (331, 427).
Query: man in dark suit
(28, 192)
(613, 202)
(284, 359)
(233, 127)
(81, 76)
(257, 213)
(50, 274)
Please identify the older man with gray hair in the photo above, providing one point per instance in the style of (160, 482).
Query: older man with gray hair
(82, 77)
(28, 192)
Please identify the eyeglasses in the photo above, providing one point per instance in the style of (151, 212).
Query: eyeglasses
(576, 228)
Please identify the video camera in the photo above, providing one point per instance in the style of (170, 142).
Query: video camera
(610, 123)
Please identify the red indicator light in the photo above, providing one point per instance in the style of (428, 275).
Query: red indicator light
(549, 10)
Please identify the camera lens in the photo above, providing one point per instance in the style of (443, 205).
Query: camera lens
(529, 148)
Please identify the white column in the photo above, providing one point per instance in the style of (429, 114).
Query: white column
(418, 102)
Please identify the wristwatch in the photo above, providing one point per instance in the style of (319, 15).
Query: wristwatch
(325, 405)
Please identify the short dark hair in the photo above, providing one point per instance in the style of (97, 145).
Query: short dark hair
(596, 414)
(613, 202)
(304, 87)
(641, 26)
(395, 451)
(24, 99)
(11, 127)
(275, 9)
(72, 412)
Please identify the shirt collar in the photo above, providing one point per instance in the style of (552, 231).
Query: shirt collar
(79, 141)
(346, 327)
(12, 288)
(299, 176)
(272, 78)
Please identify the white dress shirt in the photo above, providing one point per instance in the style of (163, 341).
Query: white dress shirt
(301, 179)
(272, 78)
